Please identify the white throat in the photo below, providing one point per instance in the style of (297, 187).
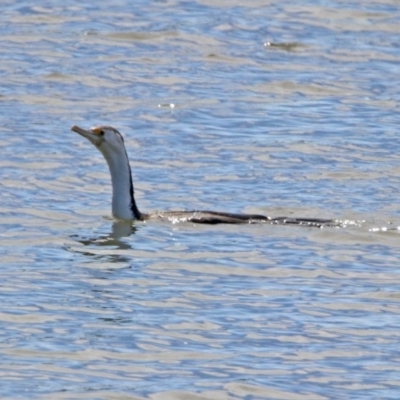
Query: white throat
(123, 202)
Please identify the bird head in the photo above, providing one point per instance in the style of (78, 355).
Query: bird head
(106, 139)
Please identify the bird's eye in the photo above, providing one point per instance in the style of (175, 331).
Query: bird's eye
(101, 133)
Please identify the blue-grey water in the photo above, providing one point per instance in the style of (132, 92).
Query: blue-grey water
(280, 108)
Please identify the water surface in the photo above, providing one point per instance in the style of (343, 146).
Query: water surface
(280, 109)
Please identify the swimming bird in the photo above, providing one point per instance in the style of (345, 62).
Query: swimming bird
(110, 143)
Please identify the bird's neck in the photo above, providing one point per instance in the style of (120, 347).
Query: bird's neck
(123, 200)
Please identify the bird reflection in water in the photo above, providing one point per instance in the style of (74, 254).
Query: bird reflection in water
(120, 230)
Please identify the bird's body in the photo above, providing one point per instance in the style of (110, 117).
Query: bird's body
(111, 144)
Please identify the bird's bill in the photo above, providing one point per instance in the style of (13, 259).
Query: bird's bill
(93, 134)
